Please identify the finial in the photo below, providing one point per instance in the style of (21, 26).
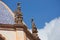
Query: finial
(18, 14)
(18, 6)
(32, 20)
(34, 29)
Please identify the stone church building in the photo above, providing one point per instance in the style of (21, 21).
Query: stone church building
(12, 26)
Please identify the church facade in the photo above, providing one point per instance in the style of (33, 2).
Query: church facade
(12, 26)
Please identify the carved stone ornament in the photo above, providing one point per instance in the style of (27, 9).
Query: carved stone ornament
(1, 37)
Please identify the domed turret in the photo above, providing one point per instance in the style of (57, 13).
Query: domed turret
(6, 15)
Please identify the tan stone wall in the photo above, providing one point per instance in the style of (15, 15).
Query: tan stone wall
(13, 35)
(21, 35)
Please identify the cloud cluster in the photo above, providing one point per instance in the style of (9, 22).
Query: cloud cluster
(51, 31)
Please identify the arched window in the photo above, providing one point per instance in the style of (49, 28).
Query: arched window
(1, 37)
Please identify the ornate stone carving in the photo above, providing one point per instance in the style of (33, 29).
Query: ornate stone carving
(1, 37)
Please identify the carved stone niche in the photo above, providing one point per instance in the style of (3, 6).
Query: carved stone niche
(1, 37)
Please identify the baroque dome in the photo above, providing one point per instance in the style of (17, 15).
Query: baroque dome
(6, 15)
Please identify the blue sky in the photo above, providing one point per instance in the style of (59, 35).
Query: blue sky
(41, 10)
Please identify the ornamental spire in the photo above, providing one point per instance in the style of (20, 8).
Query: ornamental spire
(18, 6)
(34, 30)
(18, 14)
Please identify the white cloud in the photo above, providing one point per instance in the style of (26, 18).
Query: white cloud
(51, 31)
(42, 34)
